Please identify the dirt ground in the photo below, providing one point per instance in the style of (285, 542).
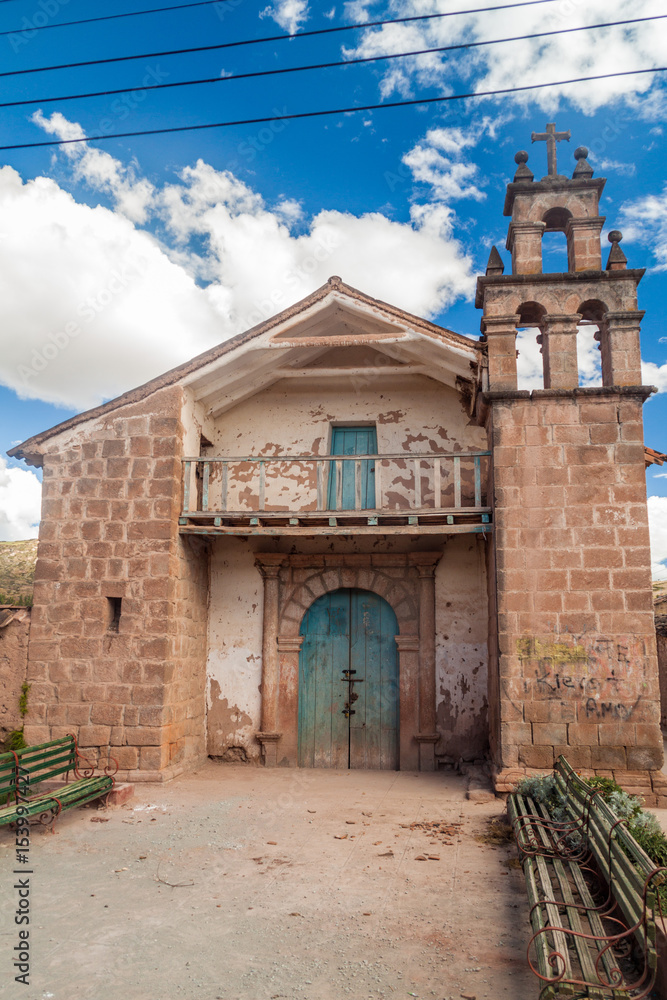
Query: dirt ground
(291, 884)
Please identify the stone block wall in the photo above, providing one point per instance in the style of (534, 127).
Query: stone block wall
(13, 669)
(577, 668)
(109, 532)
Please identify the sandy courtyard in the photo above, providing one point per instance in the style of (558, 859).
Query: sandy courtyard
(298, 885)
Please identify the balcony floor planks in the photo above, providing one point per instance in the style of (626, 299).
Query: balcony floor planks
(345, 529)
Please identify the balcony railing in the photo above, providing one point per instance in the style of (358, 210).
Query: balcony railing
(283, 493)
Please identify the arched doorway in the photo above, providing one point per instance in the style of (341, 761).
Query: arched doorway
(348, 683)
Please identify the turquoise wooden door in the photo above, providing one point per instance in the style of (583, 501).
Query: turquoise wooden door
(352, 441)
(348, 683)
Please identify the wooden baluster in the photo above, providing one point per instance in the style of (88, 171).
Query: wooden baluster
(204, 491)
(262, 485)
(457, 481)
(478, 482)
(378, 484)
(357, 484)
(319, 472)
(437, 487)
(339, 484)
(225, 478)
(187, 473)
(418, 484)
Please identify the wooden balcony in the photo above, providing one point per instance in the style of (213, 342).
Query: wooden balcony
(404, 494)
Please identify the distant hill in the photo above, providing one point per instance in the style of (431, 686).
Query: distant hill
(17, 571)
(659, 588)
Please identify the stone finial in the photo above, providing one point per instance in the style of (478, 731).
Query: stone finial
(523, 172)
(616, 261)
(495, 264)
(583, 167)
(335, 280)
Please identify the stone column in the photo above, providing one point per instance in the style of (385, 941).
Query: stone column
(500, 333)
(559, 351)
(583, 243)
(269, 566)
(524, 241)
(408, 711)
(619, 346)
(289, 647)
(427, 736)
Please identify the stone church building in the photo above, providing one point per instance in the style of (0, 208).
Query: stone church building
(345, 538)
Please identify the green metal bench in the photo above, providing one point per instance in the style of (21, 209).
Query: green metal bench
(22, 770)
(593, 896)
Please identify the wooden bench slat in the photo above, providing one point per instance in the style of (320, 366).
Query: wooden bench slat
(77, 794)
(40, 763)
(629, 884)
(566, 906)
(584, 952)
(581, 946)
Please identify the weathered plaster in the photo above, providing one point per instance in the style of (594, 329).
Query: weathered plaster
(413, 414)
(13, 670)
(234, 666)
(235, 637)
(461, 650)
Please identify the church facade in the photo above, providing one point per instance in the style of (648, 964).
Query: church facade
(346, 538)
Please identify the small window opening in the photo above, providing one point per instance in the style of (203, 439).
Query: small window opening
(114, 613)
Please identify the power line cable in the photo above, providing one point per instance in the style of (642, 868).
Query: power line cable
(327, 65)
(270, 38)
(109, 17)
(334, 111)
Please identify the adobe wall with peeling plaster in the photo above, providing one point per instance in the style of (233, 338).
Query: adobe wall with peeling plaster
(234, 665)
(13, 670)
(411, 415)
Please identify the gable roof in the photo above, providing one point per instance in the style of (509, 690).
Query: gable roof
(294, 341)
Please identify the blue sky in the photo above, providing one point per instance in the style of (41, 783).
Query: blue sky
(151, 249)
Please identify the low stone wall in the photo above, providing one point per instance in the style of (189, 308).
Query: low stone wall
(13, 666)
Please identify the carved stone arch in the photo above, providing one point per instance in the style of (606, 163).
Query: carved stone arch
(291, 584)
(530, 313)
(594, 310)
(556, 219)
(397, 593)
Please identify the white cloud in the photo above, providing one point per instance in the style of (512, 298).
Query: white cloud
(20, 503)
(645, 221)
(89, 304)
(289, 14)
(99, 169)
(558, 57)
(92, 304)
(257, 267)
(653, 374)
(657, 522)
(627, 169)
(437, 160)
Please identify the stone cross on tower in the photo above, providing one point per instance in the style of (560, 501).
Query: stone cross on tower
(551, 137)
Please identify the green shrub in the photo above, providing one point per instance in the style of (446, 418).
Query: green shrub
(14, 741)
(23, 700)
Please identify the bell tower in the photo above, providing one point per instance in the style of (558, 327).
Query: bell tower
(573, 660)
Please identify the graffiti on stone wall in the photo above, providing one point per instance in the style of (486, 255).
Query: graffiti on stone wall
(602, 674)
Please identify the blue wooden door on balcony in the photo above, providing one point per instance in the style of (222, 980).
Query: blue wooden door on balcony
(349, 634)
(352, 441)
